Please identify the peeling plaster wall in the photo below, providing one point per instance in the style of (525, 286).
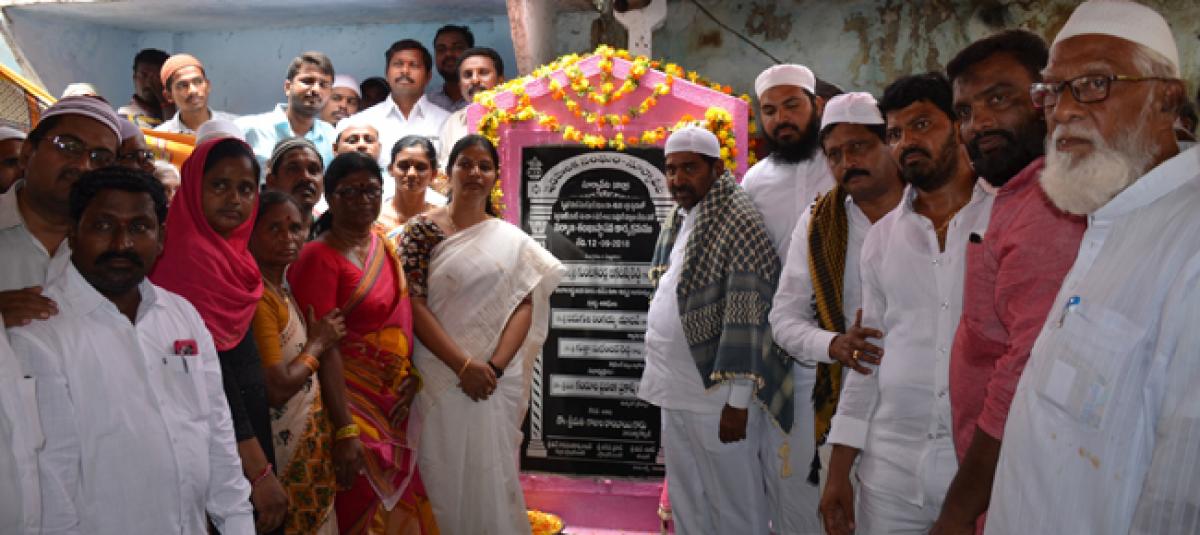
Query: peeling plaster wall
(857, 44)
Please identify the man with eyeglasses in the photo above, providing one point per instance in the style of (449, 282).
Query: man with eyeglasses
(1104, 425)
(1013, 269)
(307, 88)
(133, 152)
(75, 135)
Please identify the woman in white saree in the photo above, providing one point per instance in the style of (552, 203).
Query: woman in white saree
(480, 291)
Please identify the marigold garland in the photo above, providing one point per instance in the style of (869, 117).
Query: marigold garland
(544, 523)
(604, 94)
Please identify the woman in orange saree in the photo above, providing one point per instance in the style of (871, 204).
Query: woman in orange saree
(351, 267)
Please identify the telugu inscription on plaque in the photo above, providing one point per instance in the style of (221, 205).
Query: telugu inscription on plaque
(600, 213)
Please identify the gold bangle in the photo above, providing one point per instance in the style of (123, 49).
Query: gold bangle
(464, 367)
(347, 431)
(310, 362)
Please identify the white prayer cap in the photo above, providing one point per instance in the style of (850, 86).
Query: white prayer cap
(352, 121)
(215, 128)
(347, 81)
(8, 132)
(855, 108)
(786, 74)
(80, 89)
(1123, 19)
(693, 139)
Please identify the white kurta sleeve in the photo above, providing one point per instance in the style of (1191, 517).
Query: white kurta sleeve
(60, 458)
(1170, 497)
(793, 320)
(228, 491)
(860, 393)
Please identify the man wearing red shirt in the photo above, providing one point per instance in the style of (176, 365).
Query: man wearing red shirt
(1013, 271)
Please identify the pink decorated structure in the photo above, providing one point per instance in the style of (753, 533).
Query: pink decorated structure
(684, 99)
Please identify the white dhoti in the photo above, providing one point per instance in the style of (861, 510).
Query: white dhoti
(787, 459)
(716, 488)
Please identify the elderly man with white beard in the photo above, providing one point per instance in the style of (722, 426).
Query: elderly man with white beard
(1104, 426)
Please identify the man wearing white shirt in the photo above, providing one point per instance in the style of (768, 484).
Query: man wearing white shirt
(75, 135)
(479, 69)
(911, 265)
(138, 436)
(814, 311)
(20, 437)
(1103, 430)
(795, 173)
(407, 111)
(781, 186)
(708, 347)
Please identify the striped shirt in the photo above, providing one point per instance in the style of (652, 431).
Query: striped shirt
(1105, 424)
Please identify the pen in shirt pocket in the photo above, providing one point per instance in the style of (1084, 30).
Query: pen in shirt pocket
(1070, 305)
(184, 349)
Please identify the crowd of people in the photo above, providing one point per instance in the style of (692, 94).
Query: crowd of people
(979, 289)
(279, 372)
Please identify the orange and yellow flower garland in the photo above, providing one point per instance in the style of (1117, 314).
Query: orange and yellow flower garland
(604, 94)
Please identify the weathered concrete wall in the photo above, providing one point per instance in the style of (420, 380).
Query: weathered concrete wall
(857, 44)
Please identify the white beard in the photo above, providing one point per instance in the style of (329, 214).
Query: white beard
(1083, 185)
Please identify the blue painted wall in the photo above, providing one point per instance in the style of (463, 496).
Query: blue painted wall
(63, 51)
(247, 67)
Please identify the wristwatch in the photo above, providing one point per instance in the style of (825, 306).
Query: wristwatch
(497, 370)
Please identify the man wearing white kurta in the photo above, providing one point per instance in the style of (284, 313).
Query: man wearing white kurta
(1104, 428)
(406, 111)
(781, 186)
(795, 173)
(137, 432)
(703, 353)
(20, 437)
(869, 186)
(912, 267)
(33, 226)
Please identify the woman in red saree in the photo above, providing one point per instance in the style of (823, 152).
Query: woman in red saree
(351, 267)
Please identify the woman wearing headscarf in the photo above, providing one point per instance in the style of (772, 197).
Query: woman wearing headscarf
(352, 267)
(291, 347)
(206, 260)
(481, 290)
(414, 164)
